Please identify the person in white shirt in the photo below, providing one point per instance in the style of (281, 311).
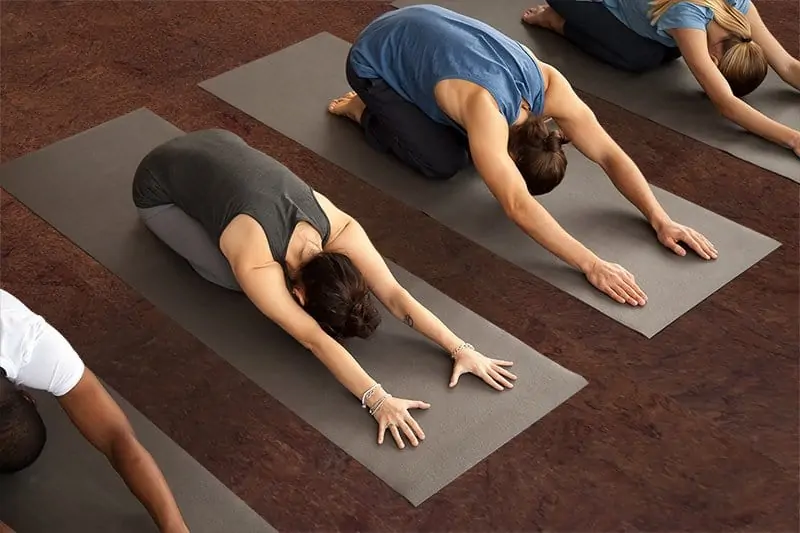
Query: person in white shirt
(35, 355)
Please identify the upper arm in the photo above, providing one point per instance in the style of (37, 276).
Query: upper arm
(266, 288)
(694, 49)
(777, 56)
(487, 131)
(95, 413)
(578, 121)
(354, 242)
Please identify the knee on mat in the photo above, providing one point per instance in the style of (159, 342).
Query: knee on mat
(447, 167)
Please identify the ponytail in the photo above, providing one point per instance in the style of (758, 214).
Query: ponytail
(743, 63)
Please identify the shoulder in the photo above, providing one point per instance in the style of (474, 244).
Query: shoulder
(685, 15)
(742, 6)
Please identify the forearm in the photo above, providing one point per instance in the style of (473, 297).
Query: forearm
(539, 225)
(144, 479)
(755, 122)
(791, 74)
(406, 308)
(342, 365)
(630, 182)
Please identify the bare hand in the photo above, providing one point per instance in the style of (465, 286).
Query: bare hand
(671, 234)
(489, 370)
(616, 282)
(394, 416)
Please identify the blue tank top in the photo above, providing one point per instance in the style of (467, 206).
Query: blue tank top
(635, 14)
(415, 47)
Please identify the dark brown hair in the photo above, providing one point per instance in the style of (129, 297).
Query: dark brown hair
(22, 431)
(337, 296)
(538, 154)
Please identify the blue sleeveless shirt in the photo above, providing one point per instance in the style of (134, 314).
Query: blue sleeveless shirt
(415, 47)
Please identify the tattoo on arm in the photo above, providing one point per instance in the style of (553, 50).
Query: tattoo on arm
(409, 321)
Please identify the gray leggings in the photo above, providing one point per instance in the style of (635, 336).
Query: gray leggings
(190, 240)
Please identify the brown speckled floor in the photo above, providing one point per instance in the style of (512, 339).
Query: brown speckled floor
(694, 430)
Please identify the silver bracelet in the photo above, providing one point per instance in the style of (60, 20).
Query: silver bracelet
(368, 394)
(462, 346)
(379, 404)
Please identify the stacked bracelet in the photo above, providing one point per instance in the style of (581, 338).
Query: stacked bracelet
(379, 404)
(462, 346)
(368, 394)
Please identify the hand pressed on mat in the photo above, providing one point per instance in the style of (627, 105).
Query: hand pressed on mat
(470, 361)
(670, 234)
(616, 282)
(392, 413)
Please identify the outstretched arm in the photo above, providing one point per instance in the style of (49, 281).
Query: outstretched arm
(784, 65)
(101, 421)
(262, 280)
(694, 48)
(580, 125)
(488, 139)
(353, 241)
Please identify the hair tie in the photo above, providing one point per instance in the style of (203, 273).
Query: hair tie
(747, 39)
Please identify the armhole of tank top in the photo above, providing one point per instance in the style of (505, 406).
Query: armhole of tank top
(324, 234)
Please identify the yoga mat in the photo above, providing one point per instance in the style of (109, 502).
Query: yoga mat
(82, 186)
(669, 96)
(305, 76)
(72, 488)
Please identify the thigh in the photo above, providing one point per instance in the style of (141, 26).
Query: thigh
(187, 237)
(435, 149)
(597, 31)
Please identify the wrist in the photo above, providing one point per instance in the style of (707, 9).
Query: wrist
(659, 220)
(174, 525)
(586, 262)
(794, 140)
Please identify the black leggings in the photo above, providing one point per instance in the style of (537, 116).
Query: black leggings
(597, 31)
(393, 124)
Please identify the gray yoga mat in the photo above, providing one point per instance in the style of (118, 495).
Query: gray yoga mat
(72, 488)
(305, 76)
(82, 187)
(669, 96)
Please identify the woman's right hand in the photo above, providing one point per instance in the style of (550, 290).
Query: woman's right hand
(393, 415)
(616, 282)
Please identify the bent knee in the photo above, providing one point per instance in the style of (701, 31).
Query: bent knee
(447, 167)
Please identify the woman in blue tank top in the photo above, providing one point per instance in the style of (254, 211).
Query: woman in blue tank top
(724, 42)
(440, 90)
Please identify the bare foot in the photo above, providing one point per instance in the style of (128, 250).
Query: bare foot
(544, 17)
(349, 105)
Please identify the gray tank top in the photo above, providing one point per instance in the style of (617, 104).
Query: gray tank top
(214, 175)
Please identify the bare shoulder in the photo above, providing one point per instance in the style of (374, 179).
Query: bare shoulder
(244, 243)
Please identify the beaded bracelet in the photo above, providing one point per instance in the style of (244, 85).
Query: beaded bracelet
(379, 404)
(462, 346)
(368, 394)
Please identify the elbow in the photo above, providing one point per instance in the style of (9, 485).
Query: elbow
(121, 447)
(516, 206)
(727, 106)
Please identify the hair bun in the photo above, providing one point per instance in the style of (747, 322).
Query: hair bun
(554, 141)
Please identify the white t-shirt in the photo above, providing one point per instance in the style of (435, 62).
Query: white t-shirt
(33, 353)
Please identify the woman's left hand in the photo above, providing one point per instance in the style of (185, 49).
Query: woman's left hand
(671, 234)
(489, 370)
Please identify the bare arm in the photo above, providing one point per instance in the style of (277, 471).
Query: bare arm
(784, 65)
(354, 242)
(488, 140)
(580, 125)
(101, 421)
(694, 47)
(262, 280)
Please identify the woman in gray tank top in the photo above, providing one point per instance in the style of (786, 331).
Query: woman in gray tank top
(246, 222)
